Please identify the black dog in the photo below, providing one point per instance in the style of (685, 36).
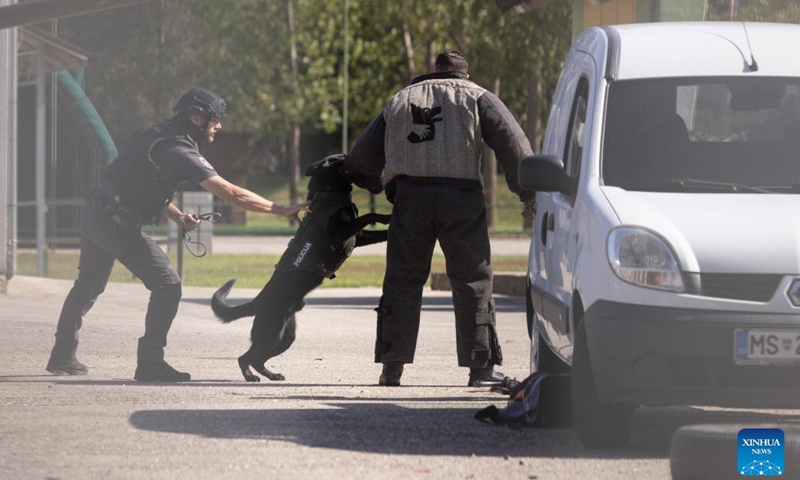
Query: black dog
(324, 240)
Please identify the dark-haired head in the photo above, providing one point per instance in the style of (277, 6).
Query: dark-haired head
(451, 61)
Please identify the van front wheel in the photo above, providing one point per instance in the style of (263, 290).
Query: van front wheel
(598, 424)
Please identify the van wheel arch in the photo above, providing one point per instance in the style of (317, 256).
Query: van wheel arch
(598, 424)
(546, 360)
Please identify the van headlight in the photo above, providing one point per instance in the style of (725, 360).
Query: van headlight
(640, 257)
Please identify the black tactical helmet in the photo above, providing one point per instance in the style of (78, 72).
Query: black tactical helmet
(200, 101)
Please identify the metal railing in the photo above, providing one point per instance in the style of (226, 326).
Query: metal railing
(62, 245)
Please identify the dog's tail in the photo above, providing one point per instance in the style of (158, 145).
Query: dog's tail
(228, 313)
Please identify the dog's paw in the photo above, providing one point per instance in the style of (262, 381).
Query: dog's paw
(252, 378)
(277, 377)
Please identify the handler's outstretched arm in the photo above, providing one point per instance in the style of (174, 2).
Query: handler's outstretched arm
(242, 197)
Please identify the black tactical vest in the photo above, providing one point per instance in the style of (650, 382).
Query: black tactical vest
(311, 248)
(134, 176)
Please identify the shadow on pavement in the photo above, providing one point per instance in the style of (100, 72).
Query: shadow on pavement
(361, 427)
(502, 303)
(386, 427)
(267, 386)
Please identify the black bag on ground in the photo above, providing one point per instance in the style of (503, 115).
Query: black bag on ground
(541, 400)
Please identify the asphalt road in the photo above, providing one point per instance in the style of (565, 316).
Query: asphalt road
(328, 420)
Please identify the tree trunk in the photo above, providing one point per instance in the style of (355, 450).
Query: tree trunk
(430, 53)
(534, 123)
(294, 195)
(409, 48)
(294, 134)
(535, 112)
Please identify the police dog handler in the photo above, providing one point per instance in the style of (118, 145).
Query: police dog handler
(425, 148)
(136, 190)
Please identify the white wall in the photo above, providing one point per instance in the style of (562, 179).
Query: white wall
(8, 149)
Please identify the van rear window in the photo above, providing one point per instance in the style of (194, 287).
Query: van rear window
(670, 133)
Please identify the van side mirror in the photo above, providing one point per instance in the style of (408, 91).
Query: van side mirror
(545, 173)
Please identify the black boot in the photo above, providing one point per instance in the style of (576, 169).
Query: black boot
(390, 376)
(485, 377)
(63, 362)
(159, 372)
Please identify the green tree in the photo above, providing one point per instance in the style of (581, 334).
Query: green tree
(781, 11)
(146, 55)
(142, 60)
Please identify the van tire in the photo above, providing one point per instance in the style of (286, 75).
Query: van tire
(710, 452)
(598, 424)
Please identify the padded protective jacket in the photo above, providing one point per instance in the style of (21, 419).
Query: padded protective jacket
(435, 128)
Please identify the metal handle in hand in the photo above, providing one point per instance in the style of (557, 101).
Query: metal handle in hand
(211, 217)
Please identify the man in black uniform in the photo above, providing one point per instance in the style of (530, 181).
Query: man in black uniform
(136, 190)
(425, 148)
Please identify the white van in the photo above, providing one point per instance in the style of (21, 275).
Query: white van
(665, 259)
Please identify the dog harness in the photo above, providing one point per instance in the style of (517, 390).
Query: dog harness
(312, 247)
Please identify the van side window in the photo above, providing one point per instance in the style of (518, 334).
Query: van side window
(575, 137)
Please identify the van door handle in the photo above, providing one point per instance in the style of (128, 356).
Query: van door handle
(551, 222)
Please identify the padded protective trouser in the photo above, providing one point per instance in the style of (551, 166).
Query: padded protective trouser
(456, 217)
(103, 242)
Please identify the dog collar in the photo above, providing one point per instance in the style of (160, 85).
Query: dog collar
(337, 196)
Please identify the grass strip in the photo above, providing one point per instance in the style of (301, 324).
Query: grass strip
(251, 271)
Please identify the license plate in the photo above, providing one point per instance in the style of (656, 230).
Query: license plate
(766, 346)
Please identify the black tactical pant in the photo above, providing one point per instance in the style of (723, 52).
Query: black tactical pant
(102, 242)
(456, 217)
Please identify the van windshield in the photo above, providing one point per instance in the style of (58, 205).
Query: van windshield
(703, 135)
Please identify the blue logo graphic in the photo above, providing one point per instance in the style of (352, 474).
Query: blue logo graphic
(761, 451)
